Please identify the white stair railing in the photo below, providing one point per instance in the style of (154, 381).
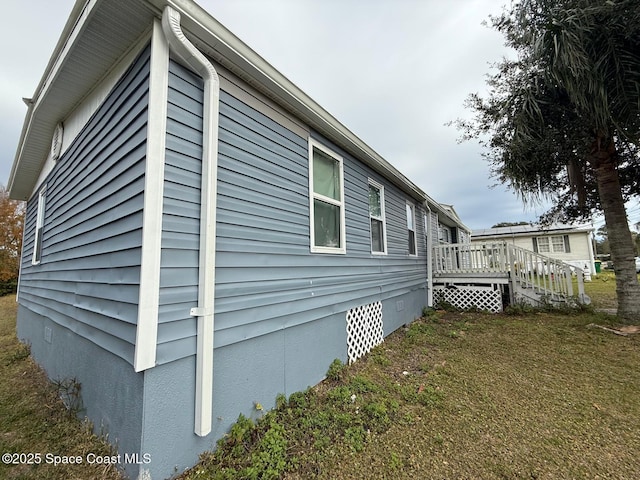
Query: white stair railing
(460, 258)
(547, 277)
(531, 274)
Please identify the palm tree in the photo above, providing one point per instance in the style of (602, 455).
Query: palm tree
(563, 119)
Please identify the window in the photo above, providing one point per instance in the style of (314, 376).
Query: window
(37, 244)
(555, 244)
(376, 216)
(443, 234)
(542, 245)
(326, 200)
(411, 228)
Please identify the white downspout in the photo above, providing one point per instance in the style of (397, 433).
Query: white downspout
(195, 60)
(429, 257)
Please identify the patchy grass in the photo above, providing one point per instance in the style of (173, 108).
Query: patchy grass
(458, 395)
(602, 290)
(34, 420)
(453, 395)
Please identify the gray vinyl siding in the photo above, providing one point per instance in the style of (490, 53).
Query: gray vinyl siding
(266, 277)
(180, 216)
(87, 280)
(434, 228)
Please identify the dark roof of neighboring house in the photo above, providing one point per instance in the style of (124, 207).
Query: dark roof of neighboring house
(530, 230)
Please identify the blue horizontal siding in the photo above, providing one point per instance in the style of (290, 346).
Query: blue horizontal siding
(266, 277)
(180, 216)
(89, 275)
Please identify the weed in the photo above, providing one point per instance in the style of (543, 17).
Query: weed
(269, 460)
(429, 313)
(447, 306)
(379, 357)
(519, 309)
(281, 400)
(361, 384)
(356, 438)
(453, 334)
(340, 396)
(376, 416)
(69, 392)
(418, 329)
(395, 461)
(335, 370)
(20, 353)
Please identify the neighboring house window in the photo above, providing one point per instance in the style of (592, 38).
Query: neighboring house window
(376, 215)
(542, 245)
(555, 244)
(411, 228)
(37, 245)
(326, 187)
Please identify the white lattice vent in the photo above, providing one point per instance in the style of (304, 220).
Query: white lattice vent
(464, 298)
(364, 329)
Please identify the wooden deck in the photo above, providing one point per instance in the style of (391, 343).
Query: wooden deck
(530, 277)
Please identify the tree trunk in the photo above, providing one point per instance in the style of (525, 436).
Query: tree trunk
(622, 248)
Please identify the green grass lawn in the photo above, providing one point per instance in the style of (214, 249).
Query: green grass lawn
(33, 420)
(602, 290)
(460, 395)
(540, 395)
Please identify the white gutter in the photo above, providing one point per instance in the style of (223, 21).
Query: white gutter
(195, 60)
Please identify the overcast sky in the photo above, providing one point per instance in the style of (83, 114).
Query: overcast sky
(393, 72)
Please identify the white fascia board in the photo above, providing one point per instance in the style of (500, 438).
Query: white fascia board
(149, 295)
(75, 24)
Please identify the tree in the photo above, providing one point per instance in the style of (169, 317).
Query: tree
(562, 120)
(602, 241)
(11, 220)
(509, 224)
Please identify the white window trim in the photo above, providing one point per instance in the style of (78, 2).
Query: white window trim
(383, 217)
(561, 245)
(415, 237)
(37, 241)
(546, 247)
(342, 249)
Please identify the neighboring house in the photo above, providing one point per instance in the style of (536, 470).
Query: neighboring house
(200, 235)
(569, 243)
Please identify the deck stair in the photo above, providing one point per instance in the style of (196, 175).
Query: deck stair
(513, 273)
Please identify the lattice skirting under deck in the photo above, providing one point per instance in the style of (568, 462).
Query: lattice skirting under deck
(466, 297)
(364, 329)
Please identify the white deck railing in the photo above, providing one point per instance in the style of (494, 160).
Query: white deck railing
(547, 276)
